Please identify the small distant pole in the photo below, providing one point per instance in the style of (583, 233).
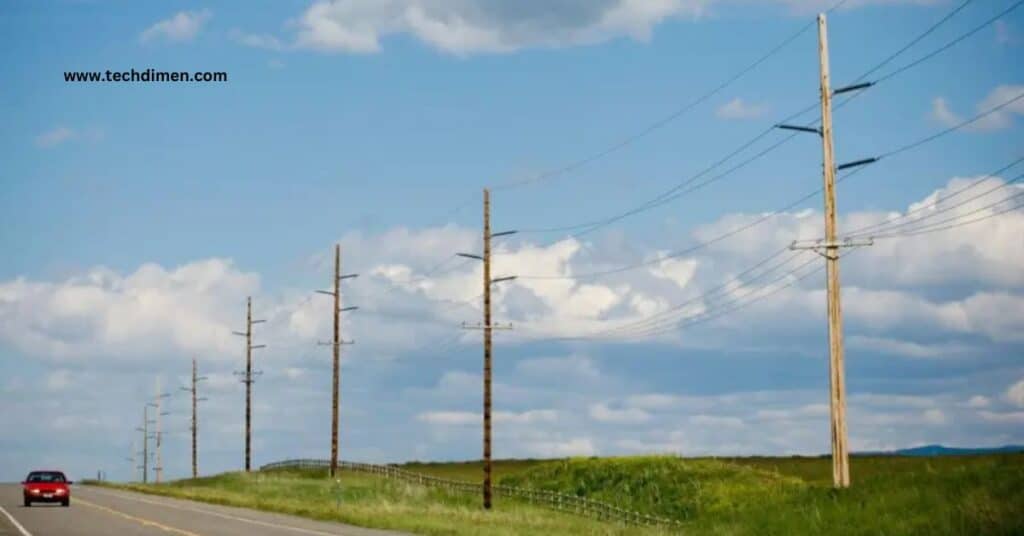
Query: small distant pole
(195, 416)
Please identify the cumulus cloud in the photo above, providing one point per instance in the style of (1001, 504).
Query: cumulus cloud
(464, 418)
(998, 120)
(601, 412)
(150, 311)
(1015, 394)
(465, 27)
(182, 26)
(740, 109)
(978, 401)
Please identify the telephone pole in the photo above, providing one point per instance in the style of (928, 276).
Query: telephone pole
(195, 419)
(829, 248)
(487, 328)
(247, 378)
(159, 468)
(336, 352)
(145, 441)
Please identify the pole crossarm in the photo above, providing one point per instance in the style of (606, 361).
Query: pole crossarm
(800, 128)
(854, 87)
(470, 256)
(504, 327)
(856, 163)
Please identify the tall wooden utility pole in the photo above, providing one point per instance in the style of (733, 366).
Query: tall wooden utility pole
(829, 248)
(336, 353)
(247, 379)
(195, 417)
(837, 380)
(487, 348)
(487, 328)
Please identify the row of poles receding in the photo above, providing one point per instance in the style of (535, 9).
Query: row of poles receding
(827, 248)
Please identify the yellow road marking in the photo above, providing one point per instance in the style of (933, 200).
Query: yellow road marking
(143, 521)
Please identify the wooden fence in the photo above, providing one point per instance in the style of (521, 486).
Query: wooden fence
(562, 502)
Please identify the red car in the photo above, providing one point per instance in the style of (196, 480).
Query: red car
(46, 486)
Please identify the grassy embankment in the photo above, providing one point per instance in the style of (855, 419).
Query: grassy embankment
(891, 495)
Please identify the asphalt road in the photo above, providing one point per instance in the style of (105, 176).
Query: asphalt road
(101, 512)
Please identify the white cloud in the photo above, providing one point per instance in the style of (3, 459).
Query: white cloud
(602, 413)
(182, 26)
(998, 120)
(716, 421)
(1015, 394)
(909, 348)
(55, 137)
(58, 380)
(941, 112)
(1008, 417)
(191, 308)
(579, 446)
(737, 108)
(978, 401)
(467, 27)
(450, 418)
(561, 369)
(934, 416)
(264, 41)
(464, 418)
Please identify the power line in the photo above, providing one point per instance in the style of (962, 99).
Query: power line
(660, 123)
(896, 223)
(674, 192)
(706, 296)
(950, 44)
(942, 225)
(732, 232)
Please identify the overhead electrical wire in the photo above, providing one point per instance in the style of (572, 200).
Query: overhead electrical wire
(732, 232)
(662, 122)
(674, 193)
(896, 222)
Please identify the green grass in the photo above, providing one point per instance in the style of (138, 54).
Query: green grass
(890, 495)
(736, 496)
(472, 471)
(372, 501)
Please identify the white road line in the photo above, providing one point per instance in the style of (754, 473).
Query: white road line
(214, 513)
(15, 522)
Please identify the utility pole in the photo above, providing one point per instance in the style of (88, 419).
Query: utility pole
(159, 468)
(145, 442)
(829, 248)
(195, 419)
(487, 328)
(131, 461)
(336, 352)
(247, 378)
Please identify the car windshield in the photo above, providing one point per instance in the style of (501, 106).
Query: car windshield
(45, 476)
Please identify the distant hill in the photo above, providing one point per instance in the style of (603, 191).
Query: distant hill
(939, 450)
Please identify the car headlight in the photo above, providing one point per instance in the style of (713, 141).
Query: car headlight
(59, 492)
(35, 491)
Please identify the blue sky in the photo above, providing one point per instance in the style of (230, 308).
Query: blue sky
(138, 216)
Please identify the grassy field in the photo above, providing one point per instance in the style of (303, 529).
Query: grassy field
(735, 496)
(372, 501)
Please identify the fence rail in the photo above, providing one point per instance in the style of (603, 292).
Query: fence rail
(562, 502)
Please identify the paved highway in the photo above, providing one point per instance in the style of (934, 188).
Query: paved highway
(101, 512)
